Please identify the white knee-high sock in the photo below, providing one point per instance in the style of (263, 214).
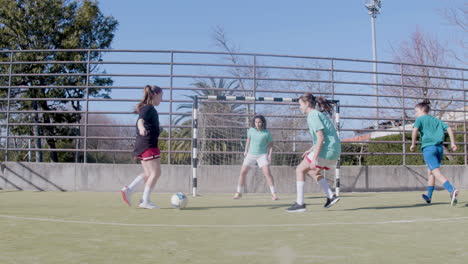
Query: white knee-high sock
(326, 188)
(272, 189)
(135, 182)
(146, 194)
(300, 192)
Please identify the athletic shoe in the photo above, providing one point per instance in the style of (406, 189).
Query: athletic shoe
(148, 205)
(237, 196)
(274, 197)
(331, 201)
(126, 195)
(297, 208)
(426, 198)
(453, 197)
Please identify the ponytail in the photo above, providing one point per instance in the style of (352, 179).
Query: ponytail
(148, 93)
(323, 104)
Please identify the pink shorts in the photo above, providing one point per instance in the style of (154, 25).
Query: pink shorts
(149, 154)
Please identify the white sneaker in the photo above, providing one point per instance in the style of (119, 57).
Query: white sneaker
(453, 197)
(148, 205)
(126, 195)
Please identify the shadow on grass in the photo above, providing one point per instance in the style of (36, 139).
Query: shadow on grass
(358, 195)
(268, 206)
(390, 207)
(341, 196)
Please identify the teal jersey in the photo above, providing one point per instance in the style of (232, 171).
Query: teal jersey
(259, 141)
(331, 148)
(431, 130)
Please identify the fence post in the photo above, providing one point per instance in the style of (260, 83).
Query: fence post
(464, 117)
(85, 144)
(332, 78)
(7, 141)
(255, 84)
(169, 144)
(404, 113)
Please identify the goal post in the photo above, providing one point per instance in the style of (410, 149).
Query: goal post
(196, 126)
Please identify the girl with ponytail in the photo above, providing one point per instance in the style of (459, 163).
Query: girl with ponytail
(323, 154)
(432, 134)
(146, 146)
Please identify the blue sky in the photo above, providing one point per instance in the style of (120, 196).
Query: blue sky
(326, 28)
(301, 27)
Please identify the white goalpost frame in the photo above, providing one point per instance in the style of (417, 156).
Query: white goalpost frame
(194, 153)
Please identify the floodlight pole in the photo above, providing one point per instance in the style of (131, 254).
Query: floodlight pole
(373, 7)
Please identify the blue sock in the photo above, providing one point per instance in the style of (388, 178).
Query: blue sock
(448, 186)
(430, 189)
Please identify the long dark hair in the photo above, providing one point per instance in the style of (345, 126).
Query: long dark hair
(252, 122)
(149, 92)
(425, 106)
(323, 104)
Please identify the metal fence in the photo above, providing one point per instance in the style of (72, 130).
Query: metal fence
(77, 105)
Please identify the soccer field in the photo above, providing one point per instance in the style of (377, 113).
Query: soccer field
(88, 227)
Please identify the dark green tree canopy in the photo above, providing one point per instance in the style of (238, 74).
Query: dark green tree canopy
(50, 25)
(54, 24)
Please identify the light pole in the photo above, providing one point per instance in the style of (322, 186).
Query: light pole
(373, 6)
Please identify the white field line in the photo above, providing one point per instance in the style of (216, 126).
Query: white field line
(407, 221)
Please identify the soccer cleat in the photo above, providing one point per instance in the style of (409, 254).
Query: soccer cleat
(148, 205)
(237, 196)
(126, 195)
(453, 197)
(296, 208)
(426, 198)
(331, 201)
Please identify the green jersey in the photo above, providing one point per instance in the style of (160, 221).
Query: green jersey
(331, 148)
(259, 140)
(431, 130)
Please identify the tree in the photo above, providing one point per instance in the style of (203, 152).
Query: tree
(183, 144)
(110, 146)
(50, 25)
(241, 69)
(456, 15)
(248, 87)
(212, 125)
(422, 81)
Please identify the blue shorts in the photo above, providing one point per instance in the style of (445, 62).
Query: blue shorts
(433, 156)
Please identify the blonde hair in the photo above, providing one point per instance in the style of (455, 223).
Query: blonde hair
(149, 92)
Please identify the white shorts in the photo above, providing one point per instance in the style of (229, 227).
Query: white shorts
(261, 160)
(321, 163)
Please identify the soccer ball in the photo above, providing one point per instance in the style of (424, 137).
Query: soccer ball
(179, 200)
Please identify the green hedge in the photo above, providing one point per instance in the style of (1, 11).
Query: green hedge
(395, 148)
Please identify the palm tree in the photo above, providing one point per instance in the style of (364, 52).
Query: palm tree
(211, 123)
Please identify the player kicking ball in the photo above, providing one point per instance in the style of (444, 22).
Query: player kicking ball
(324, 153)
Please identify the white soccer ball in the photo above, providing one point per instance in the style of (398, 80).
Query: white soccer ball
(179, 200)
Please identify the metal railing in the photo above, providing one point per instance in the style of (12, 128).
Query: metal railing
(31, 122)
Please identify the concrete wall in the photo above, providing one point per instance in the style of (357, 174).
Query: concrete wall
(212, 179)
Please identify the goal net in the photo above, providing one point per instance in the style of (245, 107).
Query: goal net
(220, 125)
